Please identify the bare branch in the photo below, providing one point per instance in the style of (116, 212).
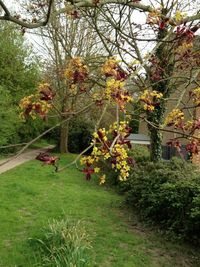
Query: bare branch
(7, 16)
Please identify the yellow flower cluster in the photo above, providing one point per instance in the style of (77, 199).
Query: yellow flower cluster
(115, 86)
(26, 101)
(43, 86)
(76, 66)
(179, 16)
(189, 125)
(73, 89)
(119, 127)
(87, 160)
(175, 117)
(32, 106)
(102, 179)
(112, 145)
(154, 16)
(109, 67)
(38, 103)
(76, 74)
(115, 91)
(185, 46)
(121, 162)
(196, 95)
(150, 98)
(112, 86)
(101, 134)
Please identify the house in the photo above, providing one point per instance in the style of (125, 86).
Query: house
(139, 139)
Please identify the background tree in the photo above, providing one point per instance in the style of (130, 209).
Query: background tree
(63, 39)
(18, 77)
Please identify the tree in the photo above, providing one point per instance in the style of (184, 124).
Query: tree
(9, 118)
(63, 40)
(18, 76)
(159, 50)
(159, 57)
(19, 70)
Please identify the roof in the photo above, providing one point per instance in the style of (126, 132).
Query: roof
(139, 139)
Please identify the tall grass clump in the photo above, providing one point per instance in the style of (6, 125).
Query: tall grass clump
(62, 244)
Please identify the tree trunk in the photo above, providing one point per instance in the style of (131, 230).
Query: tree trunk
(156, 144)
(163, 86)
(156, 118)
(63, 142)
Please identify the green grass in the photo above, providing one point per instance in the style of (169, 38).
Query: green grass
(32, 195)
(42, 143)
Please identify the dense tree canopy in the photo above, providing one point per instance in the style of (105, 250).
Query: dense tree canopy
(19, 74)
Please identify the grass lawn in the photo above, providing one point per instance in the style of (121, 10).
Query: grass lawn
(32, 195)
(42, 143)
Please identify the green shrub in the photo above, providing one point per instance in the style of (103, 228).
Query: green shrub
(140, 153)
(167, 193)
(80, 135)
(63, 244)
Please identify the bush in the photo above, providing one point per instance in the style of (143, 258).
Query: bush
(62, 244)
(140, 153)
(79, 138)
(167, 193)
(80, 135)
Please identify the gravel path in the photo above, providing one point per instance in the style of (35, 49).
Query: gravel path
(24, 157)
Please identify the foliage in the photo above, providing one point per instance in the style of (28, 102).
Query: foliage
(63, 243)
(167, 193)
(29, 129)
(18, 76)
(19, 71)
(10, 122)
(140, 153)
(80, 135)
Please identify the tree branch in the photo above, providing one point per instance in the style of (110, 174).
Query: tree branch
(7, 16)
(44, 133)
(91, 3)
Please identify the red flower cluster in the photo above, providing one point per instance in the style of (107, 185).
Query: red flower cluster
(47, 159)
(39, 103)
(111, 68)
(46, 93)
(192, 147)
(88, 171)
(183, 32)
(174, 143)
